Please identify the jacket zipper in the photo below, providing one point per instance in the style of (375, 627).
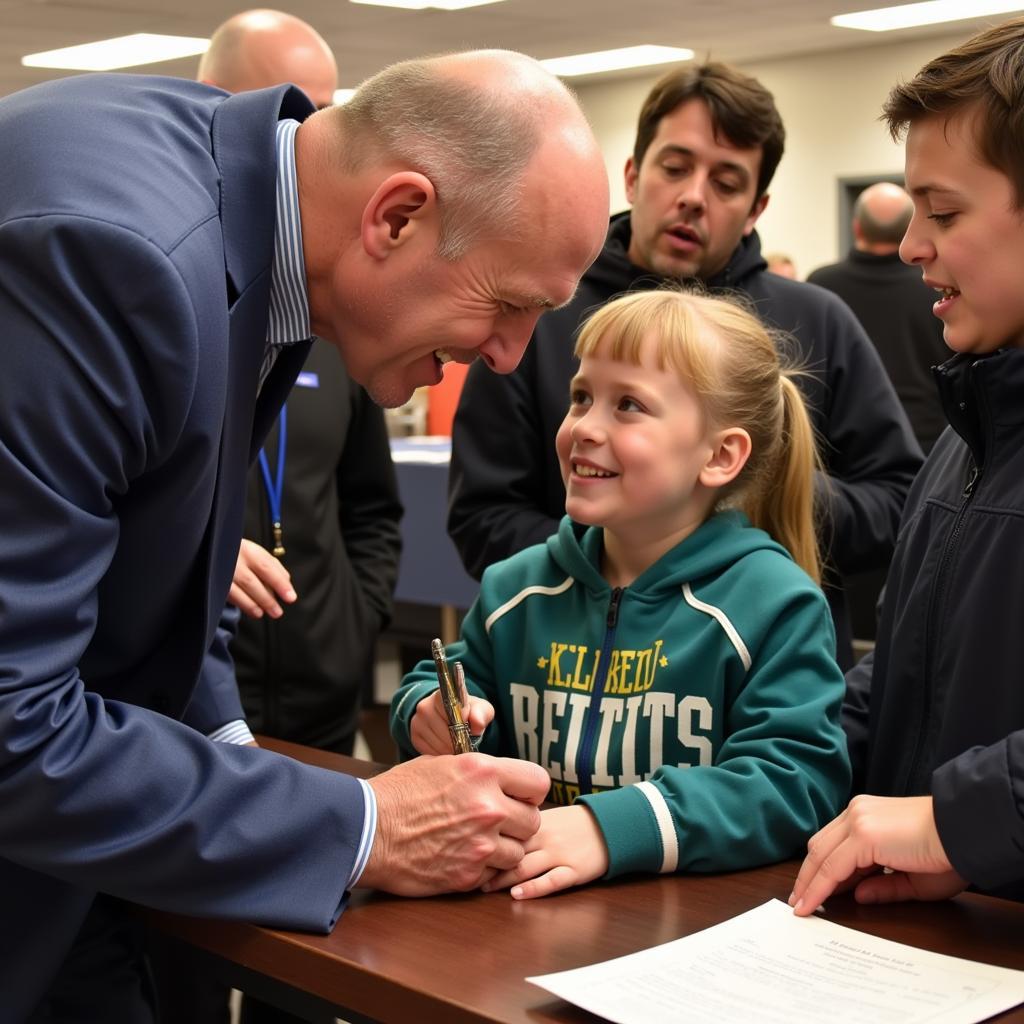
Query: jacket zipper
(936, 603)
(585, 759)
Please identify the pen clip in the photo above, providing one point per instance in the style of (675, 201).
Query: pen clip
(460, 684)
(453, 696)
(463, 695)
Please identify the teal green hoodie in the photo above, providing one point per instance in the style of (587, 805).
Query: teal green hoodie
(694, 712)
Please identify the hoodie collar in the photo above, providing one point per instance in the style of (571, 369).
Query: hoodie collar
(712, 548)
(614, 263)
(981, 399)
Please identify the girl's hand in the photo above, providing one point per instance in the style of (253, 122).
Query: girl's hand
(428, 729)
(568, 850)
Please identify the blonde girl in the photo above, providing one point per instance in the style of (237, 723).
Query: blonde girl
(668, 656)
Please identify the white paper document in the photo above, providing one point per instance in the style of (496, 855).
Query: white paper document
(769, 966)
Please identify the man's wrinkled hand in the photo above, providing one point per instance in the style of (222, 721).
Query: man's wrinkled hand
(449, 824)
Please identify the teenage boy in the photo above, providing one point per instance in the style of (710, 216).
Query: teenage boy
(708, 141)
(935, 720)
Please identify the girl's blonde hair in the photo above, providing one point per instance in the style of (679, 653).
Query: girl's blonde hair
(732, 363)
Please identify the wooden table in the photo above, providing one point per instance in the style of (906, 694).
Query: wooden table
(462, 959)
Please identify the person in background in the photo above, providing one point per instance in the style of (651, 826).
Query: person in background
(261, 47)
(892, 303)
(708, 141)
(781, 264)
(935, 715)
(150, 231)
(663, 657)
(894, 306)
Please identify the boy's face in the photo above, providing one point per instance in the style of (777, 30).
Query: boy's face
(967, 235)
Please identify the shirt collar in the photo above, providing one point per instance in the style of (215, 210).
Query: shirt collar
(289, 300)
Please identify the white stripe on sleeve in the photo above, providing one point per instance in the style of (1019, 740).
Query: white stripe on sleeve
(666, 826)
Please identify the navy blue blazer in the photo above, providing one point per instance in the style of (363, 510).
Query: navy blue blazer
(136, 243)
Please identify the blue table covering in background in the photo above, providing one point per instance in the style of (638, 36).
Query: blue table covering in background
(430, 571)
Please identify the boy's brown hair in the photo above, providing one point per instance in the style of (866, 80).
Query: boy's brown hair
(984, 76)
(742, 111)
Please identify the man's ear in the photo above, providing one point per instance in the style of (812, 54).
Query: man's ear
(403, 206)
(730, 450)
(632, 173)
(755, 211)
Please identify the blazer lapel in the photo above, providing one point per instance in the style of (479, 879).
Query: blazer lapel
(275, 390)
(244, 147)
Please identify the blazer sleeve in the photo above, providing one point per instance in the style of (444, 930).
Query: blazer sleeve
(216, 700)
(100, 343)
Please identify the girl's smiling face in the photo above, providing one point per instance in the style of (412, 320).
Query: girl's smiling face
(632, 449)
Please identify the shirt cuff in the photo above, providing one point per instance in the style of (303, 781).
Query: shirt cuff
(236, 732)
(369, 833)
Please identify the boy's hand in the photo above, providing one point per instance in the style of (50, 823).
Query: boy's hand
(260, 580)
(428, 729)
(872, 834)
(567, 850)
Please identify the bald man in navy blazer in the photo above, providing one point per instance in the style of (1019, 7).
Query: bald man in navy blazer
(149, 231)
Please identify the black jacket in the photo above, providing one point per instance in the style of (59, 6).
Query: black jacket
(939, 708)
(300, 676)
(505, 486)
(894, 306)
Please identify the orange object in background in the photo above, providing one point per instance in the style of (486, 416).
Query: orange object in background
(444, 397)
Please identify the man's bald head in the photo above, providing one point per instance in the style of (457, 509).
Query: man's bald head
(881, 216)
(471, 122)
(444, 208)
(260, 48)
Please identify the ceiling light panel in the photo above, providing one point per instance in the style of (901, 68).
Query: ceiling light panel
(933, 12)
(121, 52)
(420, 5)
(615, 60)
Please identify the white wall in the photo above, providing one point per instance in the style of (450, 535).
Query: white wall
(829, 103)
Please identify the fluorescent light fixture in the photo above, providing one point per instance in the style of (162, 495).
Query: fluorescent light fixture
(615, 60)
(343, 96)
(885, 19)
(419, 5)
(122, 52)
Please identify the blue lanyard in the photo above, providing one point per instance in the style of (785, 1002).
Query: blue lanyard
(275, 488)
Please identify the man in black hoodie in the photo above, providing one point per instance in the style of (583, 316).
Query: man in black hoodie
(893, 304)
(708, 141)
